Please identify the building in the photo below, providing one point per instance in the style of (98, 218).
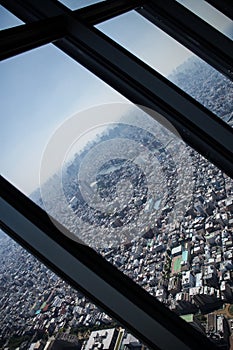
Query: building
(188, 279)
(103, 339)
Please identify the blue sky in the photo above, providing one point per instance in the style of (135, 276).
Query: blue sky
(74, 4)
(42, 88)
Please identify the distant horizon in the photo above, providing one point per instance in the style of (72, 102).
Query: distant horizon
(44, 87)
(173, 74)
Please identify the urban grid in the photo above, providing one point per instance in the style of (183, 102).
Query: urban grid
(186, 263)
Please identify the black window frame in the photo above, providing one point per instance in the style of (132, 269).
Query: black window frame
(50, 21)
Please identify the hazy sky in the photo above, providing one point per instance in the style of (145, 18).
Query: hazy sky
(42, 88)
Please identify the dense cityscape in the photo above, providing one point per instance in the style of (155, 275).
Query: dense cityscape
(185, 261)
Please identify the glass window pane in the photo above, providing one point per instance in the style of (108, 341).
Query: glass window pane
(7, 19)
(40, 310)
(119, 180)
(211, 15)
(77, 4)
(41, 89)
(172, 60)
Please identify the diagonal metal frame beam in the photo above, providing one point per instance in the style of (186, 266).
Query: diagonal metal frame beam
(100, 12)
(191, 31)
(39, 31)
(25, 37)
(187, 28)
(200, 128)
(224, 6)
(91, 14)
(84, 269)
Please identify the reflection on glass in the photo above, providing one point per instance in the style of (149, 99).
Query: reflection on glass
(7, 19)
(39, 310)
(154, 208)
(174, 61)
(123, 182)
(77, 4)
(40, 89)
(210, 15)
